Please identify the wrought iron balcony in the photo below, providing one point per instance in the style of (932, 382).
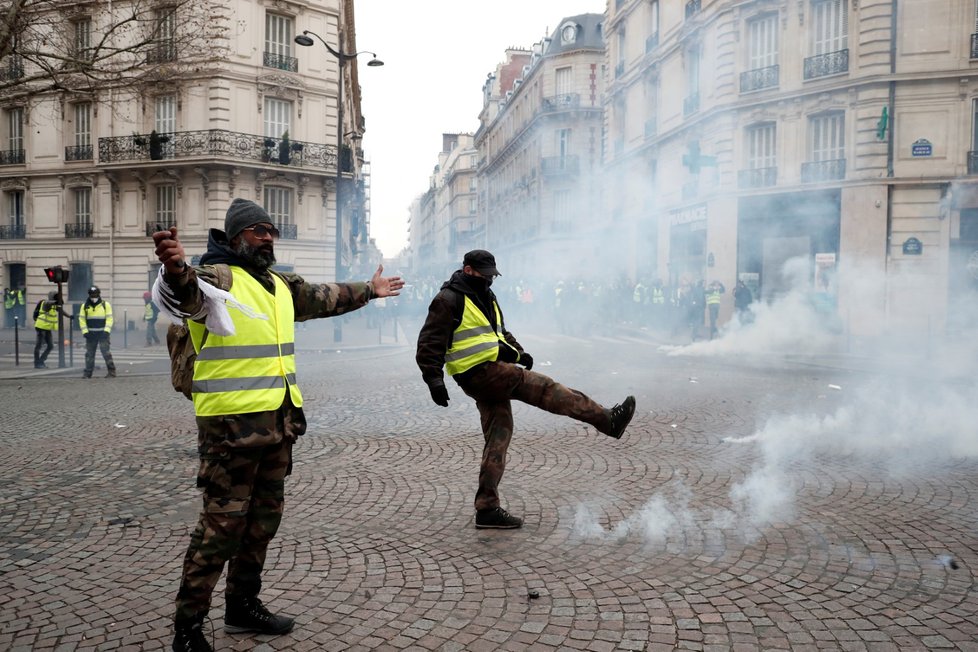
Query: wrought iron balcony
(815, 171)
(692, 7)
(973, 162)
(12, 157)
(79, 153)
(691, 104)
(12, 69)
(557, 165)
(287, 231)
(974, 46)
(78, 230)
(561, 102)
(218, 143)
(651, 42)
(13, 232)
(830, 63)
(757, 177)
(162, 53)
(280, 61)
(755, 80)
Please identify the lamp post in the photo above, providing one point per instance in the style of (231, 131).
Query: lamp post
(305, 39)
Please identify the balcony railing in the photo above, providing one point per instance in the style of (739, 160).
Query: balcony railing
(280, 61)
(757, 177)
(651, 42)
(830, 63)
(556, 165)
(218, 143)
(974, 46)
(12, 157)
(83, 230)
(162, 53)
(79, 153)
(561, 102)
(692, 7)
(691, 104)
(13, 232)
(11, 70)
(287, 231)
(815, 171)
(755, 80)
(973, 162)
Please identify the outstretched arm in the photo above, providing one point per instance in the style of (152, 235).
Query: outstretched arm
(389, 286)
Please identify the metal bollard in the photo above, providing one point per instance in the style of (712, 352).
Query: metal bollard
(16, 341)
(125, 329)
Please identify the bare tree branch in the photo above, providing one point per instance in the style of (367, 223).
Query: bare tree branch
(89, 46)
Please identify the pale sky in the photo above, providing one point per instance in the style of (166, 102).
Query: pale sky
(436, 56)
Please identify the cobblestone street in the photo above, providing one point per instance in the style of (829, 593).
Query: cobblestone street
(655, 542)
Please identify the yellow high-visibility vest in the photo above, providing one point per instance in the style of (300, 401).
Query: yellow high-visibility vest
(713, 297)
(47, 320)
(95, 318)
(251, 370)
(474, 341)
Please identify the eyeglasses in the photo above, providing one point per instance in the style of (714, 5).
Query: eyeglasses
(261, 231)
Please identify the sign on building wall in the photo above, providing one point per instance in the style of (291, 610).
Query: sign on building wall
(921, 147)
(912, 247)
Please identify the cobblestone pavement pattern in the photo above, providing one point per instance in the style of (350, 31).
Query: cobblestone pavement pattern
(377, 550)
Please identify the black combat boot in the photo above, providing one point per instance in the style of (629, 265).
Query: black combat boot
(496, 518)
(621, 416)
(188, 636)
(250, 615)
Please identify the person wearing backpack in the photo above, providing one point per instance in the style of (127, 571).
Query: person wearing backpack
(240, 315)
(45, 323)
(465, 334)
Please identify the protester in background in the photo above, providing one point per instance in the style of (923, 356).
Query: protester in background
(713, 293)
(45, 324)
(20, 295)
(742, 300)
(466, 335)
(9, 307)
(694, 309)
(247, 403)
(150, 314)
(95, 320)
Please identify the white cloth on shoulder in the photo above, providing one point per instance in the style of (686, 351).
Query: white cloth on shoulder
(215, 310)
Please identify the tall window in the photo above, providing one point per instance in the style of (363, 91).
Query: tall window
(16, 206)
(83, 124)
(562, 81)
(830, 26)
(761, 148)
(562, 142)
(166, 114)
(15, 128)
(166, 205)
(278, 203)
(166, 26)
(82, 42)
(622, 42)
(828, 137)
(278, 43)
(278, 117)
(83, 206)
(762, 42)
(974, 125)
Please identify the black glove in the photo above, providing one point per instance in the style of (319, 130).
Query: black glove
(439, 394)
(526, 360)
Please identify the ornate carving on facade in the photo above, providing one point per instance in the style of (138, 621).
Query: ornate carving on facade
(113, 185)
(280, 86)
(233, 179)
(172, 174)
(205, 180)
(260, 178)
(141, 181)
(75, 180)
(329, 186)
(301, 187)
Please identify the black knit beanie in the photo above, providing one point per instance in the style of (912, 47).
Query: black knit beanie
(243, 213)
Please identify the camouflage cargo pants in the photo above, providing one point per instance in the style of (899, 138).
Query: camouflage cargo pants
(100, 341)
(493, 385)
(244, 494)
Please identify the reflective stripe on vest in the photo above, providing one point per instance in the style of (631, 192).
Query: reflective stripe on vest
(47, 320)
(713, 297)
(658, 296)
(148, 312)
(474, 341)
(250, 370)
(96, 318)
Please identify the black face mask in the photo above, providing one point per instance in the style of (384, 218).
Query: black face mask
(479, 284)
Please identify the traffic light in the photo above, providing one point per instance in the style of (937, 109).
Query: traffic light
(57, 274)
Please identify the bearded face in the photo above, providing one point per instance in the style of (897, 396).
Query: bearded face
(261, 257)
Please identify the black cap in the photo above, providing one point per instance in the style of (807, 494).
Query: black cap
(481, 261)
(241, 214)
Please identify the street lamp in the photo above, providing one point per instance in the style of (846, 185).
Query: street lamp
(305, 39)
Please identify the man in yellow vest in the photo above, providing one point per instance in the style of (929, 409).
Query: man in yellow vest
(95, 320)
(713, 293)
(45, 323)
(241, 316)
(466, 335)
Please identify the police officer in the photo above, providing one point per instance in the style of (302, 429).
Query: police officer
(45, 323)
(96, 325)
(465, 334)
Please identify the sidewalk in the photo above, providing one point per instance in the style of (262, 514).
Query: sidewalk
(336, 333)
